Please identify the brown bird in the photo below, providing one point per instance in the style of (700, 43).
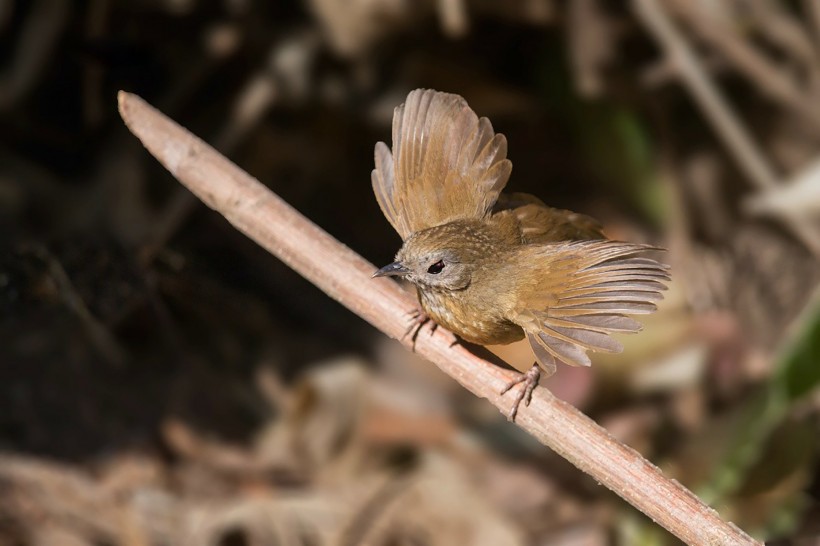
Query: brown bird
(494, 268)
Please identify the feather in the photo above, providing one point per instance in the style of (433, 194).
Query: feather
(539, 223)
(446, 164)
(544, 357)
(582, 295)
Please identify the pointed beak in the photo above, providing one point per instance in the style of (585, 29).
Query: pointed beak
(396, 269)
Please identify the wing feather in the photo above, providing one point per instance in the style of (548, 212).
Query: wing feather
(446, 163)
(539, 223)
(383, 179)
(583, 297)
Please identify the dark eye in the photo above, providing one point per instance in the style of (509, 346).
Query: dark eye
(436, 268)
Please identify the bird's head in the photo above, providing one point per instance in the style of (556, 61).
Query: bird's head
(443, 257)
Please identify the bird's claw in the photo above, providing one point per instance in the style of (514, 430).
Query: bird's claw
(418, 319)
(530, 380)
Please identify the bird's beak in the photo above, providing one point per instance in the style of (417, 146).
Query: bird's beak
(396, 269)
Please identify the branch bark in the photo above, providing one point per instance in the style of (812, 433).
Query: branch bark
(345, 276)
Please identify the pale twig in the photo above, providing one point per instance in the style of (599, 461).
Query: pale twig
(455, 20)
(783, 29)
(726, 123)
(592, 44)
(749, 61)
(799, 197)
(812, 9)
(706, 94)
(346, 277)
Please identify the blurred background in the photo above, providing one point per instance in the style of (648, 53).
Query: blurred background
(164, 381)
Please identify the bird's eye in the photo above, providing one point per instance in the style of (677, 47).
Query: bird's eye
(436, 268)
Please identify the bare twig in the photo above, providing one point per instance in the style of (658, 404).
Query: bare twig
(346, 277)
(38, 36)
(812, 10)
(65, 499)
(99, 336)
(781, 28)
(726, 122)
(454, 18)
(749, 61)
(592, 36)
(729, 127)
(798, 197)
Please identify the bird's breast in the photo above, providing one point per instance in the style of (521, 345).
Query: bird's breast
(470, 320)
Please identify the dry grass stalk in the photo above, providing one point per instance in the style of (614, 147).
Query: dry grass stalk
(346, 277)
(716, 108)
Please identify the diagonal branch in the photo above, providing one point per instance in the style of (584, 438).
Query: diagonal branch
(345, 276)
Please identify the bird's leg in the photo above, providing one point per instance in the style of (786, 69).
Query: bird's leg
(418, 318)
(530, 380)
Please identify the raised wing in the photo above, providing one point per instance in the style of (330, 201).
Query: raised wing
(446, 163)
(583, 296)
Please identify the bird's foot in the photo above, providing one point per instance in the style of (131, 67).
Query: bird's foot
(418, 319)
(530, 380)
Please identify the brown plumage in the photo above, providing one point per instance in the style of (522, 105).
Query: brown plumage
(494, 268)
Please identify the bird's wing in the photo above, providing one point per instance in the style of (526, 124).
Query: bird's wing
(539, 223)
(583, 292)
(446, 163)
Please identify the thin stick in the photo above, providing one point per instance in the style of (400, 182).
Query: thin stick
(813, 14)
(726, 123)
(694, 77)
(769, 78)
(346, 277)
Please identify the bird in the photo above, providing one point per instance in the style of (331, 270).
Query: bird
(493, 267)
